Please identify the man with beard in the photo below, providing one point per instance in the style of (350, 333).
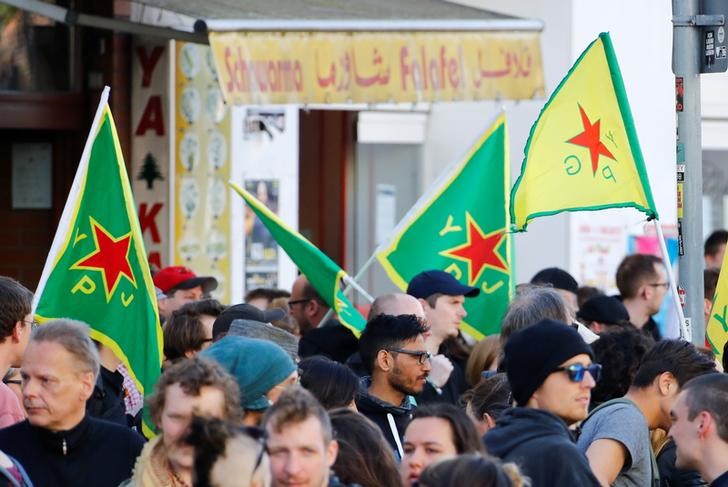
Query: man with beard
(189, 387)
(329, 338)
(393, 349)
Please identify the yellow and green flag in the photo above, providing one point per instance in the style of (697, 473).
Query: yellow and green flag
(97, 270)
(323, 273)
(716, 332)
(461, 226)
(583, 152)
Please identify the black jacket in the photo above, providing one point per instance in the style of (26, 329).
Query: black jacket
(97, 453)
(670, 476)
(377, 410)
(332, 339)
(540, 443)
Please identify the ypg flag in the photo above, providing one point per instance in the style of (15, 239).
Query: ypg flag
(97, 271)
(460, 227)
(583, 152)
(322, 272)
(716, 333)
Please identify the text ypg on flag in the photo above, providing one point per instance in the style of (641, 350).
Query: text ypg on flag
(460, 226)
(97, 270)
(583, 152)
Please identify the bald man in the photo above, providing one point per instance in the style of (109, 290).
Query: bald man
(396, 304)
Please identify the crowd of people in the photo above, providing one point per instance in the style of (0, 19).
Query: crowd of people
(579, 389)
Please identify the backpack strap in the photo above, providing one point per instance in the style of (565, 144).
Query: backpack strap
(624, 400)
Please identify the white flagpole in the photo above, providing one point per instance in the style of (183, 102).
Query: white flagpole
(685, 332)
(72, 202)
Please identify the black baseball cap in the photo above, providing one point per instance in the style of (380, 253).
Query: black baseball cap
(427, 283)
(244, 311)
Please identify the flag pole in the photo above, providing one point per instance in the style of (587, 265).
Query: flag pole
(351, 283)
(70, 207)
(685, 333)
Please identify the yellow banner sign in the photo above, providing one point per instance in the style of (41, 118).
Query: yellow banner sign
(279, 68)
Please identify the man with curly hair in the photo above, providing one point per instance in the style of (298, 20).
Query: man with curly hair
(189, 387)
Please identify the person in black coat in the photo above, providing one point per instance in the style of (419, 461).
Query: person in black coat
(60, 444)
(549, 367)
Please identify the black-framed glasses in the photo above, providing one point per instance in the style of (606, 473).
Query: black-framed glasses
(291, 304)
(576, 371)
(423, 356)
(666, 285)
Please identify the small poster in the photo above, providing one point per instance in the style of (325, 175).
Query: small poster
(261, 250)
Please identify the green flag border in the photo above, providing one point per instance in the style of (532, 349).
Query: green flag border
(258, 206)
(382, 255)
(625, 111)
(107, 117)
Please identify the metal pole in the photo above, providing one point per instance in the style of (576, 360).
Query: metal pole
(686, 47)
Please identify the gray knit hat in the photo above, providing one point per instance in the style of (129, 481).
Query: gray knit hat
(266, 331)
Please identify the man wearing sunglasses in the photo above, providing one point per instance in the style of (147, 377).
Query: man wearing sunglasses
(393, 349)
(550, 369)
(616, 437)
(15, 324)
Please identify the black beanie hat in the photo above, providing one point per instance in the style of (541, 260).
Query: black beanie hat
(533, 353)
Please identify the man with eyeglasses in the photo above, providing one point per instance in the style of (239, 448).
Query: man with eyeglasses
(616, 437)
(642, 285)
(328, 338)
(393, 349)
(16, 322)
(550, 369)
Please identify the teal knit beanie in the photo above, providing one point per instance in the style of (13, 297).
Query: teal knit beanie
(257, 365)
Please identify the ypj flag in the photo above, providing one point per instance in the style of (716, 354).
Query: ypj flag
(583, 152)
(460, 226)
(716, 333)
(97, 271)
(323, 273)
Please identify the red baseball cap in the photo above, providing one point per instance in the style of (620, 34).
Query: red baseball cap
(180, 277)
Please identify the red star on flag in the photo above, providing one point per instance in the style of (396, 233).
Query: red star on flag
(589, 138)
(479, 251)
(110, 257)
